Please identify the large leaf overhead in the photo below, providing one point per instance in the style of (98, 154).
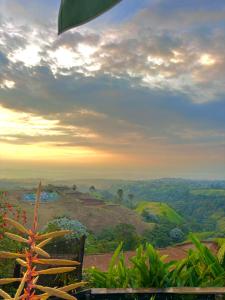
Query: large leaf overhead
(77, 12)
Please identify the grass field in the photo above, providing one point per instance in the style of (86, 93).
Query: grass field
(160, 209)
(204, 235)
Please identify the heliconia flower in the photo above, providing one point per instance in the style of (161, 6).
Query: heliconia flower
(66, 288)
(21, 286)
(4, 254)
(17, 225)
(56, 270)
(21, 262)
(55, 292)
(16, 237)
(53, 234)
(30, 258)
(35, 280)
(45, 242)
(59, 262)
(73, 286)
(9, 280)
(41, 252)
(4, 295)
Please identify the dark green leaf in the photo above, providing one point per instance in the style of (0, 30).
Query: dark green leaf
(77, 12)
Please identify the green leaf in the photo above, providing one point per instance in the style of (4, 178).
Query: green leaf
(77, 12)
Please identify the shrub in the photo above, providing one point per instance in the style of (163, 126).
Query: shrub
(125, 233)
(149, 217)
(65, 223)
(177, 235)
(32, 256)
(201, 268)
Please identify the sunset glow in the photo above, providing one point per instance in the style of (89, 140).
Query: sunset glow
(207, 60)
(47, 152)
(131, 94)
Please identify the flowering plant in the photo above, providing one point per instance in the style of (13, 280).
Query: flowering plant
(34, 255)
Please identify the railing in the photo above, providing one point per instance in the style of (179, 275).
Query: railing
(156, 294)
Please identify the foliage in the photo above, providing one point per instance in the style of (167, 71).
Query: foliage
(120, 196)
(200, 268)
(69, 242)
(118, 274)
(9, 210)
(159, 209)
(149, 217)
(108, 239)
(94, 245)
(177, 235)
(208, 192)
(123, 232)
(164, 234)
(201, 203)
(33, 255)
(65, 223)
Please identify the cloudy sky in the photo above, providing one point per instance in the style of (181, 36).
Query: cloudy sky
(137, 93)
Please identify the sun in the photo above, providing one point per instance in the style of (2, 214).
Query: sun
(207, 60)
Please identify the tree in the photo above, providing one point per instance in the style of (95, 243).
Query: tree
(92, 189)
(130, 202)
(131, 197)
(149, 217)
(177, 235)
(120, 195)
(158, 236)
(74, 187)
(127, 234)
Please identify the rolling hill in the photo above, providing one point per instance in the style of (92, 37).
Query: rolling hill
(208, 192)
(95, 214)
(160, 209)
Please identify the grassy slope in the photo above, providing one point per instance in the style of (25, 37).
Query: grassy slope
(160, 209)
(204, 235)
(95, 217)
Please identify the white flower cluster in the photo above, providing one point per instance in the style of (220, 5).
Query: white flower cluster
(66, 223)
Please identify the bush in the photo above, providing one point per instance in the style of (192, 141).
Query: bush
(149, 217)
(67, 243)
(177, 235)
(65, 223)
(201, 268)
(125, 233)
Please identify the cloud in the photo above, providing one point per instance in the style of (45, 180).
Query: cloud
(149, 50)
(153, 83)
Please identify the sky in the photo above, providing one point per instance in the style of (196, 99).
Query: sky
(138, 93)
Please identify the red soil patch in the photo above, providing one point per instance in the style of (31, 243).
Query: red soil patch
(101, 261)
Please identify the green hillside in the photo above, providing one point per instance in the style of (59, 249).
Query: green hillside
(208, 192)
(160, 209)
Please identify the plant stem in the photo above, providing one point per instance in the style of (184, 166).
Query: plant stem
(30, 276)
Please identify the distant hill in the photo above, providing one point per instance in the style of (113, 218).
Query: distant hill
(160, 209)
(208, 192)
(95, 214)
